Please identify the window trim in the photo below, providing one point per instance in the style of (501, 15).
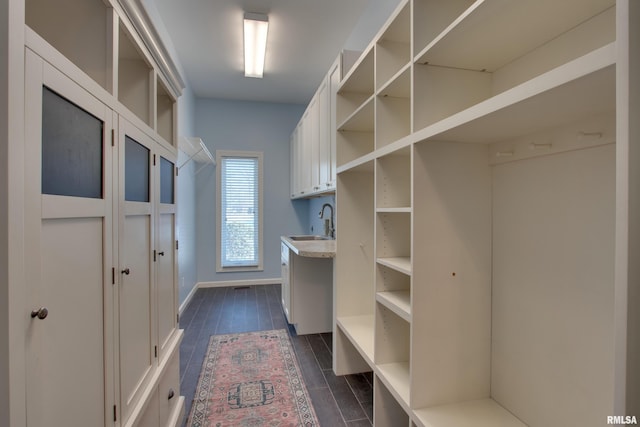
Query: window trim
(220, 154)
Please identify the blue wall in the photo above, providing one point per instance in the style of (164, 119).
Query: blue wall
(186, 198)
(248, 126)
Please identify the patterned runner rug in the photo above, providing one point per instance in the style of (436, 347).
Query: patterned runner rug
(249, 380)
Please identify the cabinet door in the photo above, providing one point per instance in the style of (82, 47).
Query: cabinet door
(333, 82)
(305, 153)
(166, 259)
(136, 284)
(324, 140)
(69, 242)
(295, 162)
(313, 144)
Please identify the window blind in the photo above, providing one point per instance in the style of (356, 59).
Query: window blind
(240, 212)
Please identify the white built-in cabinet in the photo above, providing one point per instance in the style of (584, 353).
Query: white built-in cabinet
(102, 343)
(483, 260)
(313, 160)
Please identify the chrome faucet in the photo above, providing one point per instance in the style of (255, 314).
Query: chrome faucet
(329, 230)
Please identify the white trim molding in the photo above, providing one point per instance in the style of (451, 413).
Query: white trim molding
(139, 17)
(226, 283)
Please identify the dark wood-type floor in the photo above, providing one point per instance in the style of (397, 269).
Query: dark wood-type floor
(338, 401)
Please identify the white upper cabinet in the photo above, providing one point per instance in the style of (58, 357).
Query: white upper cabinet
(313, 143)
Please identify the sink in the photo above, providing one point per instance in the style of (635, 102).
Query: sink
(310, 237)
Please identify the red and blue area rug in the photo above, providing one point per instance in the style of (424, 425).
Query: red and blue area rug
(249, 380)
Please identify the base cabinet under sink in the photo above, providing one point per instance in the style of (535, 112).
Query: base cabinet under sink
(307, 292)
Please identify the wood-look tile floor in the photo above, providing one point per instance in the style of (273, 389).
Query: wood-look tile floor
(338, 401)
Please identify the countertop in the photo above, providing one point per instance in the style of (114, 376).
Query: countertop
(311, 248)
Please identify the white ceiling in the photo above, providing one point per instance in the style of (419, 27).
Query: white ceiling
(305, 36)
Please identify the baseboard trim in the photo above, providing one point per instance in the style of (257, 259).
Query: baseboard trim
(222, 284)
(187, 300)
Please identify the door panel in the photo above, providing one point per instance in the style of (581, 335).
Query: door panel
(69, 242)
(135, 306)
(166, 265)
(165, 278)
(136, 289)
(71, 335)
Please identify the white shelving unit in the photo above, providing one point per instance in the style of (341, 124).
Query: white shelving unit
(476, 214)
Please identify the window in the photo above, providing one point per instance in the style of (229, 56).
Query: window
(239, 211)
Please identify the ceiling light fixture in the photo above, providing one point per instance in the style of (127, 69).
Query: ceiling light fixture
(255, 43)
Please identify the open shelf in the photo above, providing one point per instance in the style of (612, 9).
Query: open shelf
(401, 264)
(387, 412)
(360, 331)
(444, 89)
(396, 378)
(397, 301)
(356, 87)
(393, 48)
(393, 109)
(581, 88)
(164, 113)
(393, 289)
(393, 181)
(393, 238)
(393, 352)
(354, 270)
(79, 30)
(361, 120)
(431, 17)
(485, 36)
(134, 77)
(475, 413)
(355, 136)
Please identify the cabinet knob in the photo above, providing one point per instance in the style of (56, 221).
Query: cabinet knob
(126, 271)
(161, 253)
(171, 394)
(41, 313)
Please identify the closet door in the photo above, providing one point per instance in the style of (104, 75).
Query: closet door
(69, 251)
(166, 257)
(135, 258)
